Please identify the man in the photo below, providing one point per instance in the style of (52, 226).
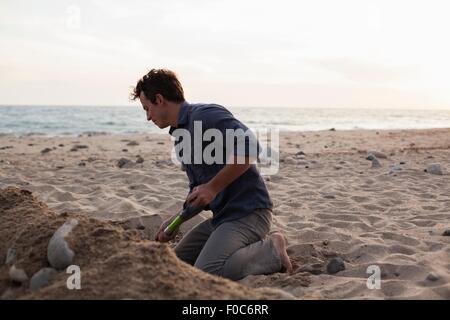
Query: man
(235, 242)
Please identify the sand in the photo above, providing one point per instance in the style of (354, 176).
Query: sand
(329, 203)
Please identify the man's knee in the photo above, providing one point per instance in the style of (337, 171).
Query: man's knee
(184, 255)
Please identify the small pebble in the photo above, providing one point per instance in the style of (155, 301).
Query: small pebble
(41, 278)
(122, 162)
(335, 265)
(139, 159)
(46, 150)
(10, 255)
(434, 168)
(378, 154)
(432, 276)
(446, 233)
(133, 143)
(375, 163)
(17, 274)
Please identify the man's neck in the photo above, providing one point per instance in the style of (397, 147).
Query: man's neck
(175, 108)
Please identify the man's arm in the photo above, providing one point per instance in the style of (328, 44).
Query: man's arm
(205, 193)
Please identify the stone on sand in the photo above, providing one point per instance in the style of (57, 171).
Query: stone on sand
(41, 278)
(377, 154)
(133, 143)
(374, 159)
(124, 162)
(446, 233)
(335, 265)
(432, 276)
(139, 159)
(59, 254)
(434, 168)
(17, 274)
(10, 255)
(46, 150)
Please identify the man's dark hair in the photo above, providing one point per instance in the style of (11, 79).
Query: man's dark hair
(160, 81)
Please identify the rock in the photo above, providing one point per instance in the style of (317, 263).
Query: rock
(446, 233)
(160, 142)
(133, 143)
(300, 153)
(46, 150)
(329, 196)
(17, 275)
(325, 242)
(59, 254)
(335, 265)
(378, 154)
(78, 146)
(60, 145)
(124, 150)
(10, 255)
(395, 169)
(375, 163)
(432, 276)
(41, 278)
(82, 164)
(434, 168)
(402, 162)
(332, 129)
(139, 159)
(122, 162)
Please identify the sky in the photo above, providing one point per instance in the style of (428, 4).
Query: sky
(308, 54)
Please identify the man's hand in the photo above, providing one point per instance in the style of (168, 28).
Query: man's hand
(161, 236)
(201, 195)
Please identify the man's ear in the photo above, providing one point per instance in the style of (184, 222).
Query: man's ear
(159, 98)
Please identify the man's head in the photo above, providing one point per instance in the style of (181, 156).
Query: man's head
(159, 92)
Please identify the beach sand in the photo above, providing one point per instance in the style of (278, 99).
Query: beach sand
(329, 202)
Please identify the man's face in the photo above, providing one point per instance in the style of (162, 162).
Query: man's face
(155, 112)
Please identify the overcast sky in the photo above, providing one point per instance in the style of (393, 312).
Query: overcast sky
(387, 54)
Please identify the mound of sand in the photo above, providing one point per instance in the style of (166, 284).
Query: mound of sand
(115, 263)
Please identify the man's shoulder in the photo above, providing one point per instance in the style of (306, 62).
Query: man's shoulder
(208, 111)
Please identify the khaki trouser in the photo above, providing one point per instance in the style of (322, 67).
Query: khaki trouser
(234, 249)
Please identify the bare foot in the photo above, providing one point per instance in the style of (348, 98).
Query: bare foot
(279, 242)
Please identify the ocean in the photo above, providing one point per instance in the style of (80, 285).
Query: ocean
(75, 120)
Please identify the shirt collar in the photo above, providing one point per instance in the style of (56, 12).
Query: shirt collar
(182, 116)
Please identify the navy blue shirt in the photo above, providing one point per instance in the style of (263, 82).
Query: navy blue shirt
(242, 196)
